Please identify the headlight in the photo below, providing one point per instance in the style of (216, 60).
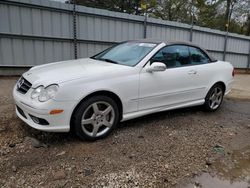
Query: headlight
(48, 93)
(36, 92)
(45, 94)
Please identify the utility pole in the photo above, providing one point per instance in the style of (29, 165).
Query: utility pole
(192, 21)
(227, 32)
(144, 6)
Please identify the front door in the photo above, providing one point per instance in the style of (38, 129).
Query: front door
(178, 84)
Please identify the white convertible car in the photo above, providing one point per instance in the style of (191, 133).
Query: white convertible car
(131, 79)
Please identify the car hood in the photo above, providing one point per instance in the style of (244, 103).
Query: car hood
(56, 73)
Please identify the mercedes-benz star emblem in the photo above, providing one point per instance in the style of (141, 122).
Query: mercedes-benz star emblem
(20, 83)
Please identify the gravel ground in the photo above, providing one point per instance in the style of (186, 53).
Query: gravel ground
(161, 150)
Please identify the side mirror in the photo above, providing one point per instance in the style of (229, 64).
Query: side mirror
(156, 67)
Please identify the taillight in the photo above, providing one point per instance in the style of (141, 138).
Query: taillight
(233, 72)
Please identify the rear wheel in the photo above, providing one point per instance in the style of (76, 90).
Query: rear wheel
(214, 97)
(96, 117)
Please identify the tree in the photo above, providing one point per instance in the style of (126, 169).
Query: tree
(128, 6)
(216, 14)
(229, 10)
(241, 15)
(207, 14)
(173, 10)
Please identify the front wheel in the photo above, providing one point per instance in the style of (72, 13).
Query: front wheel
(96, 118)
(214, 97)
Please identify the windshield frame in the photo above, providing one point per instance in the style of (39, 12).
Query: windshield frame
(110, 48)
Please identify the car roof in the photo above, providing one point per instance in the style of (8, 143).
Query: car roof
(159, 41)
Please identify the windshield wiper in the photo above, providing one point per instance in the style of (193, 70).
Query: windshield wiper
(110, 61)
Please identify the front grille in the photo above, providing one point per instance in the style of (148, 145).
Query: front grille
(23, 85)
(21, 112)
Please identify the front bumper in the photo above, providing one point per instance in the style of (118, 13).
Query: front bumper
(57, 122)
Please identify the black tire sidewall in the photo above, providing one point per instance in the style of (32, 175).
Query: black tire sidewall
(206, 104)
(83, 106)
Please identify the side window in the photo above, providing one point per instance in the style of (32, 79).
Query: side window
(172, 56)
(197, 56)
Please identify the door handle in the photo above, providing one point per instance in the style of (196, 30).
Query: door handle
(192, 72)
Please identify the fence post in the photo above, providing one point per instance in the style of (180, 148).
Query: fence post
(74, 29)
(191, 34)
(248, 63)
(192, 26)
(145, 25)
(225, 46)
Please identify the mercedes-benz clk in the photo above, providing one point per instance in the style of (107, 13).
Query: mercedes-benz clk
(92, 95)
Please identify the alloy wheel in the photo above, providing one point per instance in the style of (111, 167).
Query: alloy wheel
(97, 119)
(215, 98)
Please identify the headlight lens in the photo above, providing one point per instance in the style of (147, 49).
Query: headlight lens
(48, 93)
(36, 92)
(45, 94)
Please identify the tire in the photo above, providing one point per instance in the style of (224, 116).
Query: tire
(214, 98)
(95, 118)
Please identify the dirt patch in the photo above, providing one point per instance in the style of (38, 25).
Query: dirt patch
(241, 87)
(230, 166)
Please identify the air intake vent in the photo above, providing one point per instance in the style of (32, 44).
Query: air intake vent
(21, 112)
(23, 85)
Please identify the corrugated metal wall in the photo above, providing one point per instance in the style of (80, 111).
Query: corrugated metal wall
(34, 32)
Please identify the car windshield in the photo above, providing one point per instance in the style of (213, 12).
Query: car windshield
(129, 53)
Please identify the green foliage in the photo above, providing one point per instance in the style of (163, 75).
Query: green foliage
(213, 14)
(174, 10)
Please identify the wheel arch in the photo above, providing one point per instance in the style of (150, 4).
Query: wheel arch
(98, 93)
(221, 83)
(212, 85)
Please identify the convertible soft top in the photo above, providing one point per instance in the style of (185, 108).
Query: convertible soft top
(158, 41)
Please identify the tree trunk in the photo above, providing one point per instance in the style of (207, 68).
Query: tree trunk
(170, 14)
(227, 14)
(248, 25)
(137, 4)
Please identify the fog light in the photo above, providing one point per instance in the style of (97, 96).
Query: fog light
(35, 119)
(38, 120)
